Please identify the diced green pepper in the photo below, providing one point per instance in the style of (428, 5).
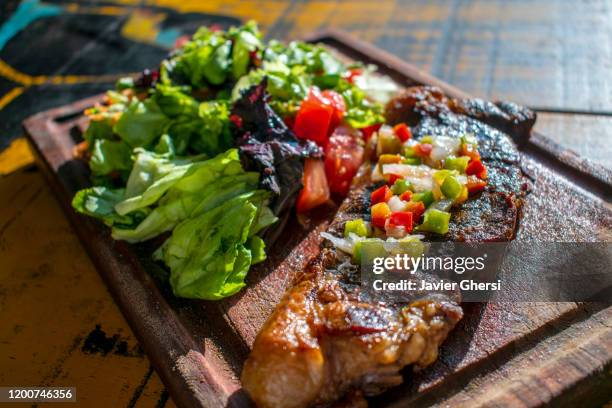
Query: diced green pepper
(440, 175)
(358, 227)
(388, 144)
(415, 161)
(451, 187)
(400, 186)
(408, 151)
(435, 221)
(368, 249)
(456, 163)
(426, 197)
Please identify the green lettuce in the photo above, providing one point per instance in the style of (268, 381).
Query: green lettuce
(210, 254)
(108, 156)
(141, 123)
(99, 202)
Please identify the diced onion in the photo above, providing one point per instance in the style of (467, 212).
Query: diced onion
(395, 231)
(444, 146)
(420, 177)
(396, 204)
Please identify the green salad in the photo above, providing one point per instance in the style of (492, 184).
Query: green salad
(165, 155)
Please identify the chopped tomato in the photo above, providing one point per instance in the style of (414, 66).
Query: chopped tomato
(343, 156)
(401, 219)
(315, 191)
(379, 213)
(313, 120)
(393, 178)
(475, 167)
(470, 151)
(402, 131)
(368, 131)
(422, 149)
(474, 184)
(337, 102)
(406, 195)
(381, 195)
(416, 207)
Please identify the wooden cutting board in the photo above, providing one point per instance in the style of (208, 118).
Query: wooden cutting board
(507, 354)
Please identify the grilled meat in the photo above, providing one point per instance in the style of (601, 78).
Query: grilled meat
(327, 338)
(494, 213)
(415, 102)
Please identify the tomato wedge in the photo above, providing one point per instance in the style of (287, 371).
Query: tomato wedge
(368, 131)
(319, 115)
(313, 120)
(343, 157)
(337, 102)
(315, 191)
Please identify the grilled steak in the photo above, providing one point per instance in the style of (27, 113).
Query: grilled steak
(414, 103)
(493, 215)
(326, 337)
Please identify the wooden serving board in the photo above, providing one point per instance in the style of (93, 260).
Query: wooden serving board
(507, 354)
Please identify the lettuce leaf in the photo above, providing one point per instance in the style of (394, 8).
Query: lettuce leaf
(99, 202)
(108, 156)
(142, 123)
(210, 254)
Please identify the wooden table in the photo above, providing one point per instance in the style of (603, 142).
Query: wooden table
(60, 325)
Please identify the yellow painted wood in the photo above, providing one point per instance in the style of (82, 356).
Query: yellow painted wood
(51, 299)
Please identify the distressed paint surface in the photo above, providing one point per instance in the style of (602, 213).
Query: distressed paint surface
(64, 328)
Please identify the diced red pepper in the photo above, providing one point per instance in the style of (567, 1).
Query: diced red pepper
(393, 178)
(474, 184)
(406, 195)
(470, 151)
(352, 74)
(313, 120)
(476, 168)
(401, 219)
(379, 213)
(422, 149)
(315, 191)
(368, 131)
(402, 131)
(337, 102)
(415, 207)
(381, 195)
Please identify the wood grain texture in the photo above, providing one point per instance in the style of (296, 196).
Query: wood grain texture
(200, 359)
(50, 308)
(584, 133)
